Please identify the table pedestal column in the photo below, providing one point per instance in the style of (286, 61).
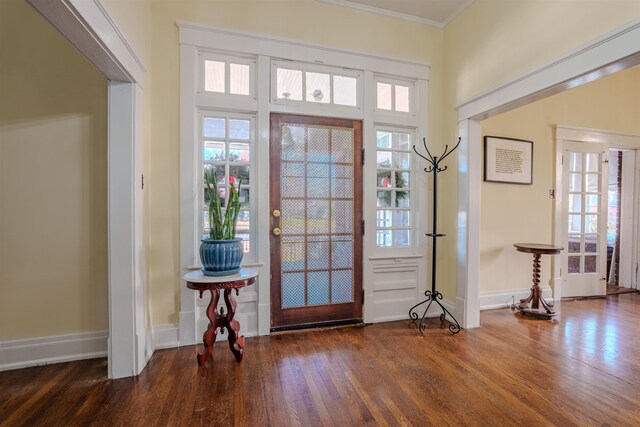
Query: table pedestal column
(535, 298)
(222, 320)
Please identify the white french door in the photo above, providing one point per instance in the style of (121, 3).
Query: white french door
(584, 180)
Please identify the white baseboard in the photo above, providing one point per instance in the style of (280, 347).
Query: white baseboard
(501, 299)
(434, 311)
(166, 336)
(54, 349)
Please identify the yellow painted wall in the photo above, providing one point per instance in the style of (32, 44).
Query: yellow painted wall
(491, 42)
(495, 41)
(133, 18)
(53, 182)
(304, 20)
(524, 213)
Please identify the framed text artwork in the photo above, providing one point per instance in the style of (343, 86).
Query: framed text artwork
(508, 160)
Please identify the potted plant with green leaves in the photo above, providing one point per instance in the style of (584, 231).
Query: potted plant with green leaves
(221, 253)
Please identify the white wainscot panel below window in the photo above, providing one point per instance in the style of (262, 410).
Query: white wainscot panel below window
(395, 288)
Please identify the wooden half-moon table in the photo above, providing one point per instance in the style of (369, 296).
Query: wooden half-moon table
(531, 304)
(219, 319)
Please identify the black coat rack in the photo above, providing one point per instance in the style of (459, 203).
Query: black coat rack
(433, 295)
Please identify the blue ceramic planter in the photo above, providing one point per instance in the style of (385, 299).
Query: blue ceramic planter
(221, 257)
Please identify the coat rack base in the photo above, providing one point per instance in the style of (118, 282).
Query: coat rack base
(435, 296)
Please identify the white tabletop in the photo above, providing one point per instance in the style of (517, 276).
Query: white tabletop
(197, 276)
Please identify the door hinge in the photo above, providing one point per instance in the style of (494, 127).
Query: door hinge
(363, 227)
(363, 156)
(362, 294)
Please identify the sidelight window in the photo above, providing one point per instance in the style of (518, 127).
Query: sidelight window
(226, 148)
(394, 214)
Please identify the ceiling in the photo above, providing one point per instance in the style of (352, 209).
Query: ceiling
(432, 12)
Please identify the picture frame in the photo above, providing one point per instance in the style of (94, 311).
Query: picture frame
(508, 160)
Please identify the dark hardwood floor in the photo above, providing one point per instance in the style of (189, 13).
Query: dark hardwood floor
(582, 368)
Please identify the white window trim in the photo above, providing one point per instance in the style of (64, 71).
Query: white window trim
(577, 134)
(314, 68)
(227, 59)
(226, 101)
(393, 113)
(414, 171)
(249, 257)
(198, 38)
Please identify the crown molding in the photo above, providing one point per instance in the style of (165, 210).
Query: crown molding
(385, 12)
(457, 12)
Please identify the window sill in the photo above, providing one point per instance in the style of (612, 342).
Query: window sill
(247, 265)
(395, 257)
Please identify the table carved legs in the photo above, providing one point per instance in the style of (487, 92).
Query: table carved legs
(222, 320)
(535, 298)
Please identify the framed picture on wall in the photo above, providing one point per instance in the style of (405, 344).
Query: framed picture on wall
(508, 160)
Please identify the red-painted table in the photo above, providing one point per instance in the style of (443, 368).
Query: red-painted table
(219, 319)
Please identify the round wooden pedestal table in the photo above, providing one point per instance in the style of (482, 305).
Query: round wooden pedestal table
(218, 318)
(531, 304)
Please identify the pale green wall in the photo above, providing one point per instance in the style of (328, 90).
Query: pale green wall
(53, 191)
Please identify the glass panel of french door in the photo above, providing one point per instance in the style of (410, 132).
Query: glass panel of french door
(316, 213)
(584, 175)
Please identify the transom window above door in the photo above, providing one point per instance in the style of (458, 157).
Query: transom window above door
(395, 96)
(296, 82)
(225, 75)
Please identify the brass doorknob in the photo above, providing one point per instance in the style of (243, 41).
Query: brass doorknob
(277, 231)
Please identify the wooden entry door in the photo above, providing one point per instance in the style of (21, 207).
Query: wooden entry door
(316, 220)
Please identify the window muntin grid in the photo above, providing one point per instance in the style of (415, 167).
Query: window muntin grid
(395, 96)
(225, 75)
(226, 146)
(394, 175)
(317, 202)
(583, 211)
(297, 82)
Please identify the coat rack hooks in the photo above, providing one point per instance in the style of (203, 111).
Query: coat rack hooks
(433, 294)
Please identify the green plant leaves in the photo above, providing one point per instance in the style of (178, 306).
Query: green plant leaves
(221, 228)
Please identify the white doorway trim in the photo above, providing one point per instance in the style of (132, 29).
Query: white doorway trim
(612, 52)
(613, 140)
(89, 27)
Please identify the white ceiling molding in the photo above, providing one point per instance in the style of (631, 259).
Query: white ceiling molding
(389, 13)
(607, 54)
(457, 12)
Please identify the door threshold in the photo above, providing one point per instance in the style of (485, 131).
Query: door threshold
(279, 330)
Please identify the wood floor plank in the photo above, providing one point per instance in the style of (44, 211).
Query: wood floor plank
(580, 369)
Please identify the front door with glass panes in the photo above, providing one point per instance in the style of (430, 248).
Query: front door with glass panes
(585, 173)
(316, 220)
